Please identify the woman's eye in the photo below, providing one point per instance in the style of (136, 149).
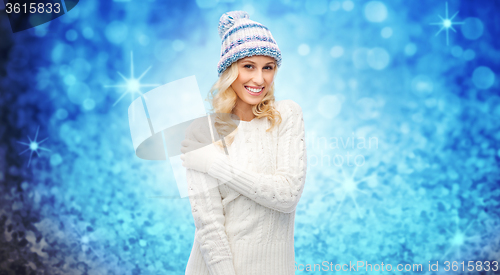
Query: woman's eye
(266, 67)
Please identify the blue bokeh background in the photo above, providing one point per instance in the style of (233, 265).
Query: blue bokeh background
(402, 130)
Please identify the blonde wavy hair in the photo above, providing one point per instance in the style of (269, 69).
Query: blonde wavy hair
(224, 101)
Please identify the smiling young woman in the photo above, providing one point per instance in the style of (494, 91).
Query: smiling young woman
(244, 203)
(256, 75)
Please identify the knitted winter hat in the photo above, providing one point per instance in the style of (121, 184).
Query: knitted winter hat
(242, 37)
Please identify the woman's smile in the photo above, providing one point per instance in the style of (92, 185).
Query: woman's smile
(255, 91)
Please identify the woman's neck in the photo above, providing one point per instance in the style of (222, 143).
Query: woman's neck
(244, 112)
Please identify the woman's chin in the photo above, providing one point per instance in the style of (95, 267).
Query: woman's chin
(253, 101)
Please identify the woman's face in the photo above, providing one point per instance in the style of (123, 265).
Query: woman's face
(255, 76)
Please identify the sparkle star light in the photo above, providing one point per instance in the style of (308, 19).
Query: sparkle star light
(33, 146)
(132, 85)
(459, 237)
(84, 242)
(350, 187)
(446, 24)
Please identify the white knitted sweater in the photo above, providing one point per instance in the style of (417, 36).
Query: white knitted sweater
(246, 225)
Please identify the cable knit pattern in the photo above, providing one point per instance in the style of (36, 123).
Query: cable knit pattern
(246, 225)
(210, 238)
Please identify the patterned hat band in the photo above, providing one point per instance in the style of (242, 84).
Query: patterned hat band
(242, 37)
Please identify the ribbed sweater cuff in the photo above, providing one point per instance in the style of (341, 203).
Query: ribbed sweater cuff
(226, 171)
(224, 267)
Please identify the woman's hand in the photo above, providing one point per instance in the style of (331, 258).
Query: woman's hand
(198, 156)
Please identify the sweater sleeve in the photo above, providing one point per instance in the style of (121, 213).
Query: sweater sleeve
(206, 207)
(280, 191)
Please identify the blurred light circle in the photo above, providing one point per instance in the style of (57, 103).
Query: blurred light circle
(303, 49)
(417, 117)
(336, 51)
(334, 5)
(55, 159)
(178, 45)
(469, 54)
(422, 84)
(163, 51)
(456, 51)
(386, 32)
(43, 78)
(337, 83)
(143, 40)
(410, 49)
(348, 5)
(375, 11)
(78, 92)
(69, 17)
(116, 32)
(472, 28)
(102, 57)
(359, 57)
(41, 31)
(88, 32)
(117, 168)
(430, 102)
(483, 77)
(316, 7)
(71, 35)
(69, 79)
(205, 4)
(340, 97)
(353, 84)
(378, 58)
(88, 104)
(493, 106)
(68, 134)
(329, 106)
(405, 129)
(61, 114)
(64, 70)
(367, 108)
(449, 103)
(80, 68)
(61, 52)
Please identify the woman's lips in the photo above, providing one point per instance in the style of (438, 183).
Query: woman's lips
(253, 93)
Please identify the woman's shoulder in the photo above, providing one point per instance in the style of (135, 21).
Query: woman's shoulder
(291, 115)
(288, 108)
(287, 103)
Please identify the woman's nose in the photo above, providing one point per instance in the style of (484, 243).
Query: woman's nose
(258, 78)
